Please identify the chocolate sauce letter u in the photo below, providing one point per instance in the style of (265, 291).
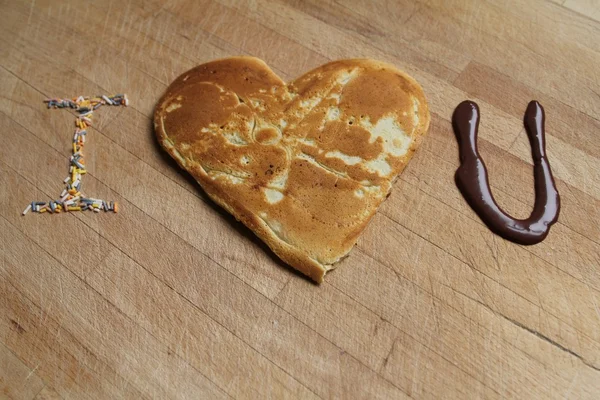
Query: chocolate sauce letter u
(472, 179)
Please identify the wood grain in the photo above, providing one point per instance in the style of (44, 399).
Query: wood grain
(588, 8)
(16, 379)
(171, 298)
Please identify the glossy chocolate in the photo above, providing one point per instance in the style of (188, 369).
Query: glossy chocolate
(472, 178)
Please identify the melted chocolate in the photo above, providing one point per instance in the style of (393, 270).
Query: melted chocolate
(472, 178)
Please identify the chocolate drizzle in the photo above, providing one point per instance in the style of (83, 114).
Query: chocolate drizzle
(472, 178)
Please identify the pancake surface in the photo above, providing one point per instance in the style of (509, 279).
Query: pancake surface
(304, 165)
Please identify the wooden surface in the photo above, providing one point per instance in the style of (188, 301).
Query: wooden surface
(171, 298)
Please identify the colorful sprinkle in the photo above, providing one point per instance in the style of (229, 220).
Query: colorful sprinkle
(71, 198)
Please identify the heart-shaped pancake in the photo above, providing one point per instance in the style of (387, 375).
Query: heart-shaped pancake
(304, 165)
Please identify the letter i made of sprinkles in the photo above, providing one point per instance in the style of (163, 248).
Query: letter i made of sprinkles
(72, 198)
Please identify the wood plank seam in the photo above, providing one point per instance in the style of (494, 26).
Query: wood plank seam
(526, 328)
(104, 365)
(468, 261)
(475, 218)
(228, 272)
(562, 5)
(210, 34)
(38, 393)
(167, 11)
(98, 293)
(342, 34)
(512, 321)
(405, 43)
(482, 273)
(193, 304)
(495, 189)
(584, 210)
(351, 34)
(288, 281)
(363, 40)
(559, 101)
(32, 372)
(418, 340)
(195, 194)
(80, 219)
(105, 299)
(186, 57)
(355, 34)
(533, 51)
(469, 215)
(328, 339)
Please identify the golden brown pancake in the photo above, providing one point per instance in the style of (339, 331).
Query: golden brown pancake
(304, 165)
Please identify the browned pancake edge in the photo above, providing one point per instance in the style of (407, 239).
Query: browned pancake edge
(304, 165)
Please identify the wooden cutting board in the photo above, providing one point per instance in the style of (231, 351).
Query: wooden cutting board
(171, 298)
